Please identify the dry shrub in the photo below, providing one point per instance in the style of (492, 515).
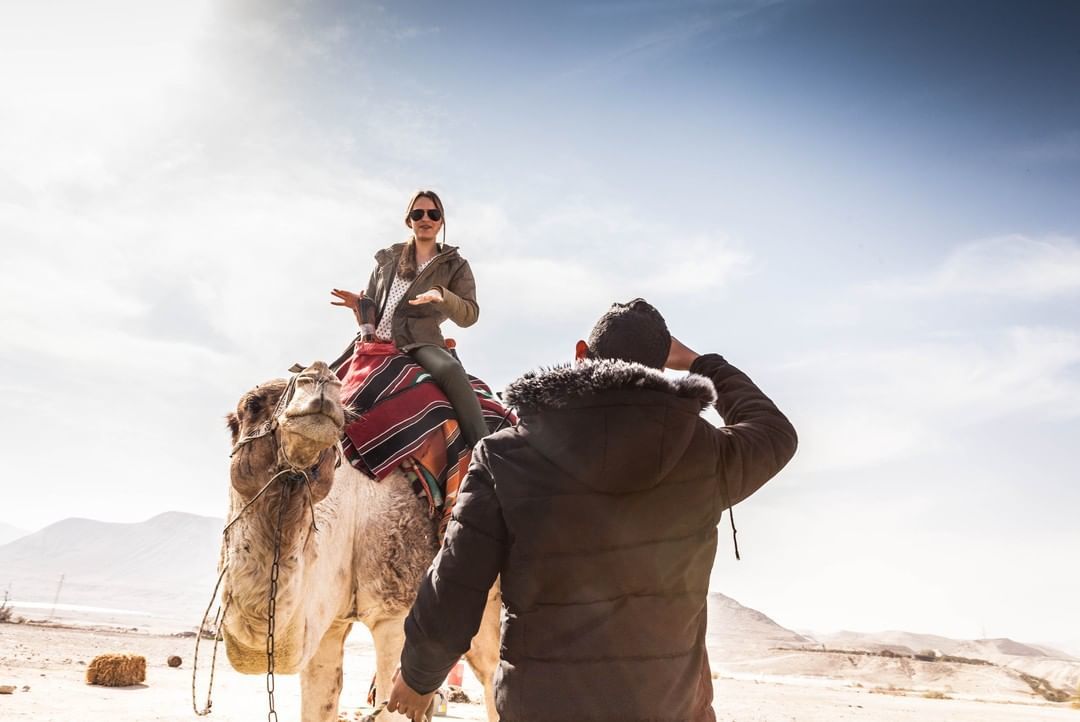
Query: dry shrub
(5, 610)
(1044, 689)
(935, 694)
(116, 670)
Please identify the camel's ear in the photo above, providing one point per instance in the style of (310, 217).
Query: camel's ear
(234, 425)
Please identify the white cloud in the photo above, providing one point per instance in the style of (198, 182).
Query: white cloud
(636, 254)
(695, 265)
(863, 407)
(74, 90)
(1013, 266)
(921, 358)
(545, 289)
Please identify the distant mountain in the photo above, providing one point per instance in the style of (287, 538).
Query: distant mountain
(10, 533)
(1055, 666)
(908, 642)
(735, 630)
(165, 566)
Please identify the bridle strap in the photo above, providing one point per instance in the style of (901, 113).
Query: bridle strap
(270, 424)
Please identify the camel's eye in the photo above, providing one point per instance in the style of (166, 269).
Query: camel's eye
(253, 405)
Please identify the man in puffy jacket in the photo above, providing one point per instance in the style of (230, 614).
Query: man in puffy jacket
(600, 511)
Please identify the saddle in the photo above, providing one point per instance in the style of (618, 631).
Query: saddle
(397, 418)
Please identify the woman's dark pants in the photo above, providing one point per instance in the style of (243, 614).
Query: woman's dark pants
(451, 378)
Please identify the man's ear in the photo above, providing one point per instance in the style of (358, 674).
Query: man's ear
(581, 351)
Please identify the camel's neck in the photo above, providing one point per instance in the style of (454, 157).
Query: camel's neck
(309, 558)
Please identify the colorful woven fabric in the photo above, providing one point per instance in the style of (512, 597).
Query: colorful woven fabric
(400, 418)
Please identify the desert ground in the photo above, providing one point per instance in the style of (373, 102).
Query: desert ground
(47, 664)
(159, 585)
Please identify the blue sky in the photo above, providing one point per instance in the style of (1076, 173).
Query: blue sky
(869, 207)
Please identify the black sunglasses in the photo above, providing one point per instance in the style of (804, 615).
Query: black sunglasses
(417, 213)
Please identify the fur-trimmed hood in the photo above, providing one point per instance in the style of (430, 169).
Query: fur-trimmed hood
(617, 427)
(556, 386)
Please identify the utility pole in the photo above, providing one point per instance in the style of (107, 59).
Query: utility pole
(56, 599)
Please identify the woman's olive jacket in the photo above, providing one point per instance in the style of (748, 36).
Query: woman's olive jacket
(414, 326)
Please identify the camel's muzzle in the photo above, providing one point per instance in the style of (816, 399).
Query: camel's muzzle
(317, 393)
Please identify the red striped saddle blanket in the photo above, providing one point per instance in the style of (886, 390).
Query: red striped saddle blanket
(399, 418)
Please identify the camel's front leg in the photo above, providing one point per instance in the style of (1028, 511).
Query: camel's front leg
(483, 654)
(389, 637)
(320, 679)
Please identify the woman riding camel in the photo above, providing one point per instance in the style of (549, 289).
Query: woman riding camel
(436, 283)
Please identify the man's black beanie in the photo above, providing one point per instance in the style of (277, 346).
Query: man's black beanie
(633, 331)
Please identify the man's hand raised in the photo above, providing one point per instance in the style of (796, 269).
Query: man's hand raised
(680, 357)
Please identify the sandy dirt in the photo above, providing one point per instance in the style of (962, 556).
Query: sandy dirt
(47, 667)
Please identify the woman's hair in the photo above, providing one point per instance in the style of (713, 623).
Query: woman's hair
(407, 264)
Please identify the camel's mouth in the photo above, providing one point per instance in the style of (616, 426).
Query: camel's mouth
(316, 401)
(313, 418)
(327, 413)
(318, 427)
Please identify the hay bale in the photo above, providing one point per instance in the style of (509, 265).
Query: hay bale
(174, 661)
(116, 670)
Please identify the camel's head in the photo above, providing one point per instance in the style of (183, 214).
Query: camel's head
(304, 425)
(313, 418)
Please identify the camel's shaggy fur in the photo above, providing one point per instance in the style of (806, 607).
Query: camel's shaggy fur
(362, 561)
(116, 670)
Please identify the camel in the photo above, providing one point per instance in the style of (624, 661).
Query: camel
(352, 549)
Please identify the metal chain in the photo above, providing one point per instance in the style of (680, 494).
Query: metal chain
(271, 609)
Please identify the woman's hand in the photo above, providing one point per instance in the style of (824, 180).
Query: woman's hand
(432, 296)
(348, 298)
(407, 702)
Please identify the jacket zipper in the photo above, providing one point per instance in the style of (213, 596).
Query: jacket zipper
(439, 257)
